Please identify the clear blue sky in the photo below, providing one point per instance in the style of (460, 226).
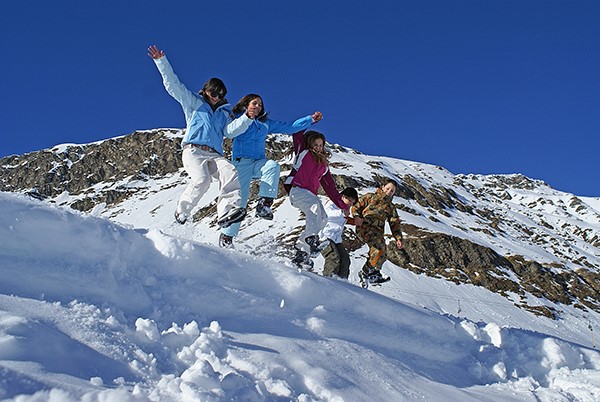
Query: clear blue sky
(478, 86)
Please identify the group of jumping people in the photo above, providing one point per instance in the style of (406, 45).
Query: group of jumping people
(210, 118)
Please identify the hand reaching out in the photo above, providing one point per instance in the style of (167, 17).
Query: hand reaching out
(155, 52)
(316, 117)
(252, 112)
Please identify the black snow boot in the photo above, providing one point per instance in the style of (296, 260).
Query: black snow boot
(364, 273)
(315, 245)
(225, 241)
(263, 208)
(233, 216)
(302, 260)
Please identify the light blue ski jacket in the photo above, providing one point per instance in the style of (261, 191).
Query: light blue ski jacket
(204, 126)
(251, 143)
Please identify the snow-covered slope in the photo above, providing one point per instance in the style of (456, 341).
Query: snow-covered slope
(97, 311)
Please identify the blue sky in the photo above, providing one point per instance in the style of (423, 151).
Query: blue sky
(473, 86)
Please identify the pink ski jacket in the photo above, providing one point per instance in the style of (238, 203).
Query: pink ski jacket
(310, 175)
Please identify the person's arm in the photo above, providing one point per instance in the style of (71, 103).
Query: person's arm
(298, 142)
(238, 126)
(330, 189)
(302, 123)
(354, 220)
(170, 80)
(395, 226)
(360, 205)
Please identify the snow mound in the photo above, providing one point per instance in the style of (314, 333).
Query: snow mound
(94, 311)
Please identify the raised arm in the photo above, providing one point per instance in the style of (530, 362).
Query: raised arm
(330, 189)
(155, 52)
(170, 80)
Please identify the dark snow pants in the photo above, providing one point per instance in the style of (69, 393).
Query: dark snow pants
(337, 260)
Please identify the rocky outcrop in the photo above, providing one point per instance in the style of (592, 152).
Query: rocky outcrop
(105, 172)
(75, 169)
(462, 261)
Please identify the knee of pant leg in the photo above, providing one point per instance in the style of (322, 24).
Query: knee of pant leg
(330, 252)
(271, 167)
(269, 179)
(376, 258)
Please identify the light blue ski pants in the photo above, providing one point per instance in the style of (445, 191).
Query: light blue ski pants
(265, 170)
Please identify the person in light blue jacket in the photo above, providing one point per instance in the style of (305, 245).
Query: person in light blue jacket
(248, 155)
(207, 115)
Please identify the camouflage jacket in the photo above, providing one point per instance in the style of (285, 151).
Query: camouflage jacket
(375, 209)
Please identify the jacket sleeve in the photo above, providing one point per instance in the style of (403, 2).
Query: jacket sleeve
(172, 84)
(283, 127)
(360, 205)
(330, 188)
(238, 126)
(298, 141)
(395, 226)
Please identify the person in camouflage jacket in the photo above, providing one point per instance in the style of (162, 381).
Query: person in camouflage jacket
(375, 209)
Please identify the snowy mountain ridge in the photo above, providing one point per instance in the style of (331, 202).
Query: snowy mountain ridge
(513, 235)
(104, 298)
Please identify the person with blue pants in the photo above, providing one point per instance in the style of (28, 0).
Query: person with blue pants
(249, 158)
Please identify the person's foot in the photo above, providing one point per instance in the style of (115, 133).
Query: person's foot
(302, 260)
(263, 208)
(180, 217)
(233, 216)
(315, 245)
(376, 278)
(364, 274)
(225, 241)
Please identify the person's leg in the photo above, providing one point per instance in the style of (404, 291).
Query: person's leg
(230, 196)
(373, 236)
(267, 171)
(269, 179)
(332, 259)
(313, 210)
(344, 264)
(245, 170)
(377, 251)
(195, 163)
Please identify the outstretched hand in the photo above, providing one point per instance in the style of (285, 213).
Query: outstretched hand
(316, 117)
(155, 52)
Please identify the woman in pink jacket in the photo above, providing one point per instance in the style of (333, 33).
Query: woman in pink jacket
(311, 171)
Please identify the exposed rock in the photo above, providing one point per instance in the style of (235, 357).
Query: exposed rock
(107, 172)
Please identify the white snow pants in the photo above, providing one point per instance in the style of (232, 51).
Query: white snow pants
(313, 210)
(203, 166)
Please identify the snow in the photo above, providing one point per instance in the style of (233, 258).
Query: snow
(94, 310)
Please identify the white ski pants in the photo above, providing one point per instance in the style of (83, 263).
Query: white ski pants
(313, 210)
(203, 166)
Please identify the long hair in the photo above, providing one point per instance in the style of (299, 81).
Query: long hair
(243, 103)
(309, 139)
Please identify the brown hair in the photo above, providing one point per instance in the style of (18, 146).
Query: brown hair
(243, 103)
(388, 181)
(214, 85)
(309, 139)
